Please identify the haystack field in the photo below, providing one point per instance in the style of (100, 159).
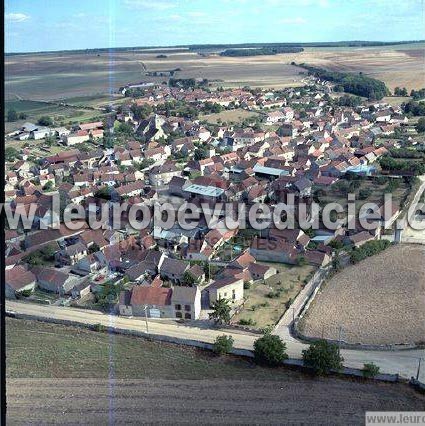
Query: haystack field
(381, 300)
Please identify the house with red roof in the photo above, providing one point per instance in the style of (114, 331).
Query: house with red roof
(154, 302)
(18, 280)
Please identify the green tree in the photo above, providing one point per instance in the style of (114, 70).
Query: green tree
(221, 311)
(94, 248)
(223, 345)
(420, 125)
(104, 193)
(188, 279)
(323, 357)
(270, 350)
(125, 129)
(370, 370)
(43, 256)
(12, 115)
(49, 185)
(302, 261)
(45, 120)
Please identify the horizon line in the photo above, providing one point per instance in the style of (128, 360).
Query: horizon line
(224, 45)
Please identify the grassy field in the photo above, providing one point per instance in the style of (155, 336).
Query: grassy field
(62, 115)
(61, 351)
(231, 116)
(70, 75)
(381, 300)
(396, 100)
(373, 189)
(263, 310)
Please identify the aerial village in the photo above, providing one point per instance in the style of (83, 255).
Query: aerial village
(303, 142)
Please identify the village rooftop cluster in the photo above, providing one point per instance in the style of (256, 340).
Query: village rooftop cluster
(297, 147)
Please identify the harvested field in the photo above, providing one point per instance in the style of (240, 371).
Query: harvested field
(65, 75)
(381, 300)
(294, 400)
(395, 65)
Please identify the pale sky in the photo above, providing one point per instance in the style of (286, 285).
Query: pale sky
(36, 25)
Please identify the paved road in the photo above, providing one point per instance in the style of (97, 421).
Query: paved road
(403, 362)
(411, 235)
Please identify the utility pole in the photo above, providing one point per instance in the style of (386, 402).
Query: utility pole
(419, 369)
(146, 318)
(339, 339)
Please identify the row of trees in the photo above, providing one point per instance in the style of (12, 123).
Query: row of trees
(187, 83)
(12, 115)
(398, 91)
(357, 84)
(322, 356)
(395, 165)
(414, 108)
(261, 51)
(350, 101)
(418, 94)
(270, 350)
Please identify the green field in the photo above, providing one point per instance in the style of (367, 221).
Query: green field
(62, 115)
(37, 350)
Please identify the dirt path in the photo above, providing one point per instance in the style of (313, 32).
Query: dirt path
(311, 401)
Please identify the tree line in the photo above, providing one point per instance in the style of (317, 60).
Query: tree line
(261, 51)
(356, 84)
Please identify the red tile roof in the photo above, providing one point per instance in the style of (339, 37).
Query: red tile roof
(18, 277)
(159, 296)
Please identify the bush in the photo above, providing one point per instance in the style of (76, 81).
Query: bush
(45, 120)
(249, 322)
(364, 193)
(246, 285)
(420, 126)
(275, 294)
(26, 293)
(370, 370)
(270, 350)
(12, 115)
(10, 153)
(223, 345)
(99, 327)
(368, 249)
(323, 357)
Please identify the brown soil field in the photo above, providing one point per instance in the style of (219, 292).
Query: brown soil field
(64, 75)
(294, 401)
(381, 300)
(69, 375)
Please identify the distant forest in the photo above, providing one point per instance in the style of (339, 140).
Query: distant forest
(201, 47)
(261, 51)
(357, 84)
